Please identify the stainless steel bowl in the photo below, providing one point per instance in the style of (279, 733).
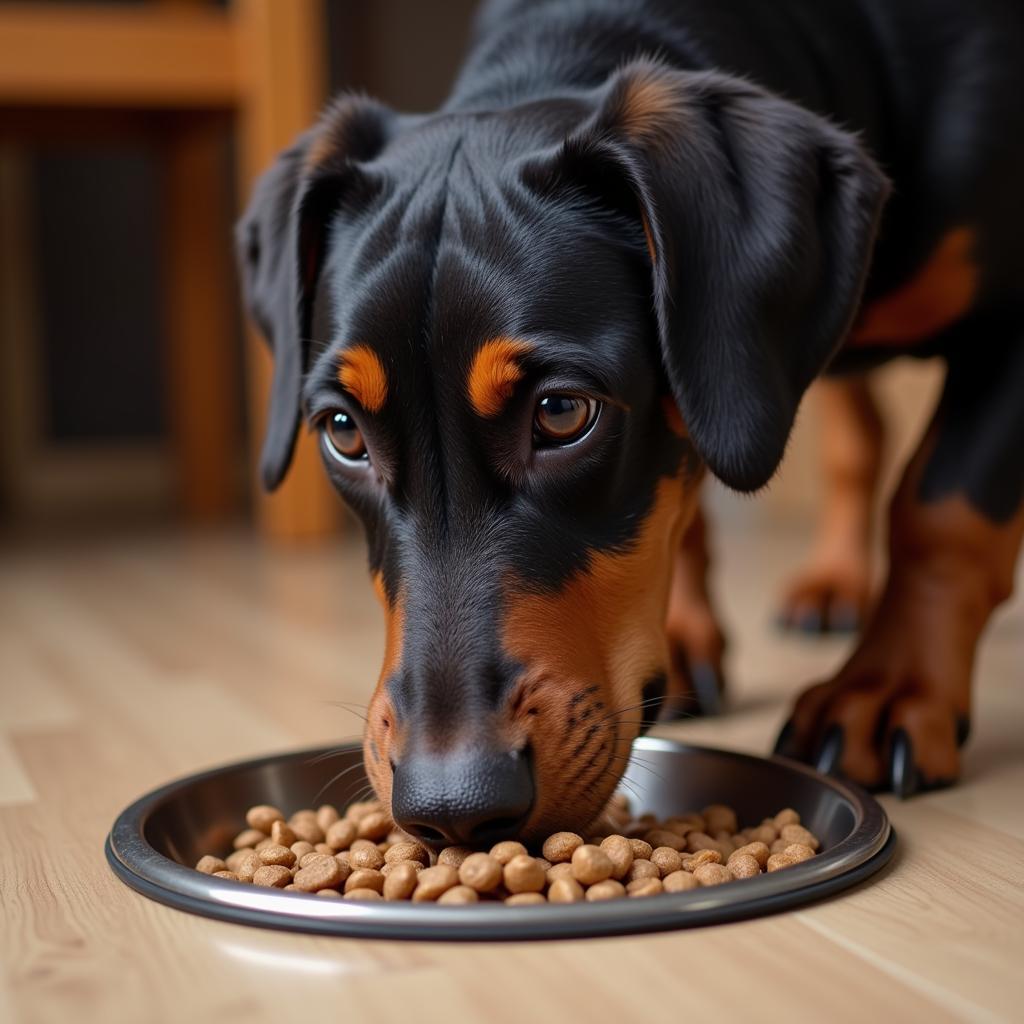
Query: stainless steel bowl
(156, 839)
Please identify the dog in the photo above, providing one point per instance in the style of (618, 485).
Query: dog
(527, 326)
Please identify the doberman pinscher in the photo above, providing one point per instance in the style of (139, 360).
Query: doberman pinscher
(527, 325)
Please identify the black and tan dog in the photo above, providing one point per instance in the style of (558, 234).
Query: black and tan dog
(526, 326)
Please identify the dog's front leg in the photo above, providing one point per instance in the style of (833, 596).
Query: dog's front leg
(696, 642)
(898, 711)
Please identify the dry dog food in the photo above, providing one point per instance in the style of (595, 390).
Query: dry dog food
(361, 855)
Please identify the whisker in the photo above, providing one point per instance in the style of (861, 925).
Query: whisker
(336, 778)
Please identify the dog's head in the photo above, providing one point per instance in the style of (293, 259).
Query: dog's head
(522, 336)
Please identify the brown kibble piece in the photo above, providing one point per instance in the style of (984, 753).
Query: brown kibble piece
(712, 874)
(644, 869)
(787, 816)
(620, 853)
(666, 860)
(247, 867)
(642, 850)
(274, 854)
(481, 872)
(330, 893)
(742, 865)
(341, 834)
(778, 861)
(431, 882)
(361, 808)
(366, 855)
(700, 858)
(644, 887)
(557, 871)
(281, 833)
(326, 816)
(210, 865)
(778, 846)
(362, 894)
(798, 852)
(719, 818)
(523, 874)
(458, 894)
(454, 855)
(407, 851)
(560, 847)
(262, 817)
(373, 826)
(503, 852)
(697, 841)
(365, 878)
(798, 834)
(565, 890)
(766, 834)
(679, 881)
(609, 889)
(758, 851)
(304, 825)
(250, 837)
(228, 876)
(524, 899)
(272, 876)
(301, 848)
(662, 837)
(323, 873)
(590, 864)
(400, 881)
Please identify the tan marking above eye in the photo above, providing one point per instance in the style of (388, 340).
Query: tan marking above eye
(361, 373)
(494, 374)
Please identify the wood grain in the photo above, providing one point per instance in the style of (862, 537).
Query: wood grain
(126, 661)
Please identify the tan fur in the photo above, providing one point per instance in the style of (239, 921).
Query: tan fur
(362, 375)
(494, 374)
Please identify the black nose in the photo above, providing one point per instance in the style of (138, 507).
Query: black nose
(463, 798)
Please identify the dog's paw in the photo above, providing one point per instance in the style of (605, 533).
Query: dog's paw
(826, 597)
(883, 726)
(696, 684)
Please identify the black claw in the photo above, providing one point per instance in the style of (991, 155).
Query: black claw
(784, 743)
(831, 751)
(707, 687)
(963, 730)
(904, 778)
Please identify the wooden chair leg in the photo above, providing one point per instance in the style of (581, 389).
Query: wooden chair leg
(202, 393)
(283, 76)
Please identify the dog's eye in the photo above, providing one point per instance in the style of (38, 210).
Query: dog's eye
(343, 438)
(563, 419)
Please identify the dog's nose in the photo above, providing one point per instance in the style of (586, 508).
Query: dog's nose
(463, 798)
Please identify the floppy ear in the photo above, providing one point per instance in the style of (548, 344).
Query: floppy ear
(281, 243)
(760, 218)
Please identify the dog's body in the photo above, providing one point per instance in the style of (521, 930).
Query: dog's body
(618, 255)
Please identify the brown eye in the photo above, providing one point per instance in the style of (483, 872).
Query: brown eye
(562, 419)
(343, 437)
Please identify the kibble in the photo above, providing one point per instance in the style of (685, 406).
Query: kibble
(359, 854)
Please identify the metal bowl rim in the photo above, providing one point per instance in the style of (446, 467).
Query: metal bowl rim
(139, 864)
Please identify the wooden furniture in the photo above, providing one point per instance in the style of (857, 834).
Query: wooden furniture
(102, 699)
(188, 74)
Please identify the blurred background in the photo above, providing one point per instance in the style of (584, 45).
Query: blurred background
(131, 396)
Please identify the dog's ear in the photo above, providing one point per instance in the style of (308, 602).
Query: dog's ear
(281, 244)
(760, 218)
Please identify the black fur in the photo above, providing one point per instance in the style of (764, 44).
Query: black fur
(518, 209)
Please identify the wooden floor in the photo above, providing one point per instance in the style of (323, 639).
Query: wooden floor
(124, 663)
